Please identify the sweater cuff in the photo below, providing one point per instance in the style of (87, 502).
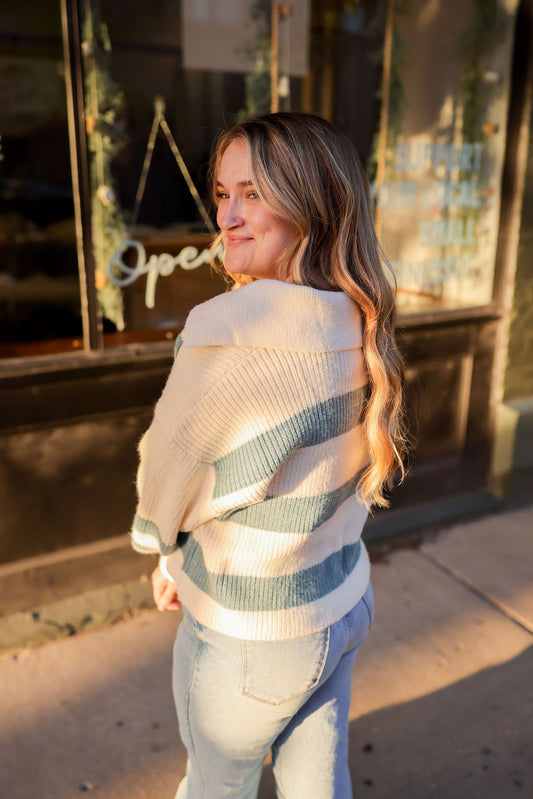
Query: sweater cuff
(163, 567)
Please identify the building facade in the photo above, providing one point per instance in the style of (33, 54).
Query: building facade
(109, 112)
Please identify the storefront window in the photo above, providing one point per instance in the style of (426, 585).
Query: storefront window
(149, 123)
(421, 90)
(159, 87)
(39, 286)
(438, 192)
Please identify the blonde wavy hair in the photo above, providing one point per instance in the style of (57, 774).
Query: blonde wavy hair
(307, 171)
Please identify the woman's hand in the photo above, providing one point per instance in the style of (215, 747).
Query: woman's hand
(165, 596)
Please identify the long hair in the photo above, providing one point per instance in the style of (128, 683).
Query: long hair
(308, 172)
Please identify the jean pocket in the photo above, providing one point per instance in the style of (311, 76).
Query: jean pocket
(368, 600)
(278, 671)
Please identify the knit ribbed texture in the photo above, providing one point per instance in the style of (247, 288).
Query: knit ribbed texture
(248, 472)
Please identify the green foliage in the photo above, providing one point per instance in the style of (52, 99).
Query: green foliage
(396, 90)
(486, 28)
(103, 106)
(257, 82)
(397, 99)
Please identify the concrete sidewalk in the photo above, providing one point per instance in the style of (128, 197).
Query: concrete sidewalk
(442, 701)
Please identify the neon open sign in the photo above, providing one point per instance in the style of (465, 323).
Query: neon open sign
(162, 265)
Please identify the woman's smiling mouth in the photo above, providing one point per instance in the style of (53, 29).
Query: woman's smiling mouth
(236, 240)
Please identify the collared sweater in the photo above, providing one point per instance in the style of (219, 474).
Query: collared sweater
(248, 473)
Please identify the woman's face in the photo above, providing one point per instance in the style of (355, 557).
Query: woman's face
(253, 237)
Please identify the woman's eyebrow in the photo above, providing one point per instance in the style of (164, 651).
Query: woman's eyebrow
(240, 183)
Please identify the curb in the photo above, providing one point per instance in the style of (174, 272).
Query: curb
(72, 616)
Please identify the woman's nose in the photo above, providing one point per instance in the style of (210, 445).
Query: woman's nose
(229, 214)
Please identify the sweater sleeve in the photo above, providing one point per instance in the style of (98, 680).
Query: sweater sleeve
(175, 476)
(168, 480)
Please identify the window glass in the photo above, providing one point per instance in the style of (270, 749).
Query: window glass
(200, 66)
(39, 286)
(162, 80)
(150, 127)
(438, 193)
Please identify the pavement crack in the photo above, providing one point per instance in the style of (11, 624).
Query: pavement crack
(501, 607)
(67, 628)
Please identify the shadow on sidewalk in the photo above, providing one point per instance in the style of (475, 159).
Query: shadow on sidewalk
(92, 715)
(470, 739)
(95, 715)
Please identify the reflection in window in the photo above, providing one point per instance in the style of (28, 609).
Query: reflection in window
(439, 200)
(174, 53)
(39, 287)
(438, 193)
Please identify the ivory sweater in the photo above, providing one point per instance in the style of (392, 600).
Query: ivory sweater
(247, 474)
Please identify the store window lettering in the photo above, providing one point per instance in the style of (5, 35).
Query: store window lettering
(451, 194)
(432, 272)
(162, 265)
(425, 156)
(397, 194)
(437, 194)
(445, 232)
(435, 203)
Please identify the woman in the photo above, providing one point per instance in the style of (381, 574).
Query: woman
(279, 426)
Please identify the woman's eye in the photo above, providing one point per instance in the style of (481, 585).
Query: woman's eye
(222, 195)
(252, 195)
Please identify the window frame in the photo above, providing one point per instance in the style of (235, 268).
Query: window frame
(93, 345)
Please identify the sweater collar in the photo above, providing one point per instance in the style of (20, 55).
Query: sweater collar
(272, 314)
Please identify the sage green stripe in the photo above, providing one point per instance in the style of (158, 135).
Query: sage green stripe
(292, 514)
(253, 594)
(177, 345)
(149, 528)
(261, 457)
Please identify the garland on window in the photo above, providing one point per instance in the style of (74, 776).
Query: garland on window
(391, 90)
(105, 136)
(478, 84)
(257, 82)
(486, 29)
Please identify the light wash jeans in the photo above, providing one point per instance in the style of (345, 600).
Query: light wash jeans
(237, 699)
